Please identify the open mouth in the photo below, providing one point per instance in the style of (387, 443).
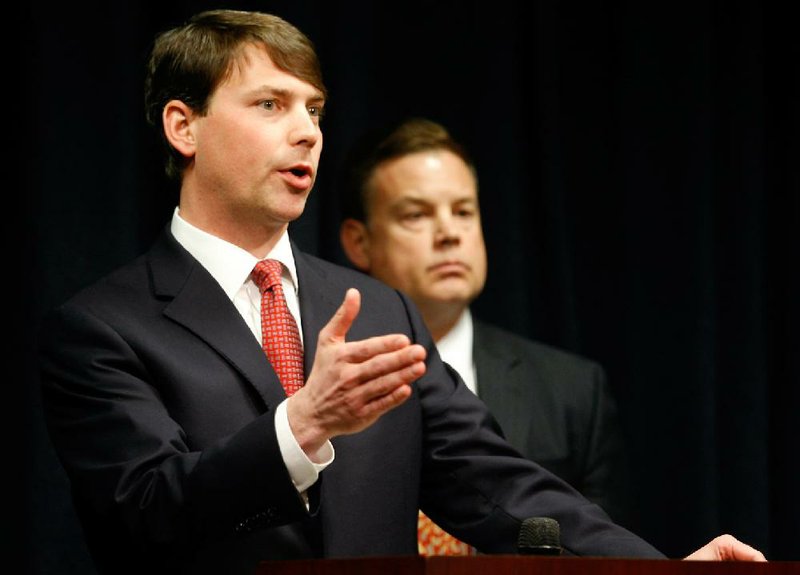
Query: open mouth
(298, 176)
(300, 171)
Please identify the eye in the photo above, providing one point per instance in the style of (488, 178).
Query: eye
(316, 111)
(412, 216)
(267, 104)
(464, 211)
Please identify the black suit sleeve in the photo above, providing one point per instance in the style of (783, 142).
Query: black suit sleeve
(114, 423)
(480, 488)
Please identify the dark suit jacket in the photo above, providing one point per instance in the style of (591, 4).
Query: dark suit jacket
(160, 404)
(556, 408)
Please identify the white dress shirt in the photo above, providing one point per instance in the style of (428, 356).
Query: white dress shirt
(456, 349)
(231, 266)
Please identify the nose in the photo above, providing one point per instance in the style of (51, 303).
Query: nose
(305, 129)
(446, 232)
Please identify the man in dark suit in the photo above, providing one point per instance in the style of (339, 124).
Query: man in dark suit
(183, 451)
(411, 218)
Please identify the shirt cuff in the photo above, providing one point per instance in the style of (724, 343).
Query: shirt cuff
(302, 470)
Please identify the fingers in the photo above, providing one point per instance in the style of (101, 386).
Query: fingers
(382, 376)
(336, 329)
(366, 349)
(360, 351)
(726, 548)
(376, 357)
(731, 549)
(352, 383)
(380, 404)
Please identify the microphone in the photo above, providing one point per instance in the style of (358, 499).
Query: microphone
(539, 536)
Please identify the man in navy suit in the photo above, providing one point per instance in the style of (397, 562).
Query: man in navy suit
(183, 452)
(411, 218)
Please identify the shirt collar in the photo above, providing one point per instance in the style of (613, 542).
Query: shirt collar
(455, 347)
(227, 263)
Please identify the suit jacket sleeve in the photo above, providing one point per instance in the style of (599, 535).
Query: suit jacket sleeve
(480, 488)
(154, 427)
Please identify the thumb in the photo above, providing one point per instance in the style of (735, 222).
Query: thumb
(339, 324)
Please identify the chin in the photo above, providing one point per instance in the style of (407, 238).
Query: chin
(451, 297)
(294, 210)
(451, 290)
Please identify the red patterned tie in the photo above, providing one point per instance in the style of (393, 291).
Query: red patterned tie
(280, 336)
(433, 540)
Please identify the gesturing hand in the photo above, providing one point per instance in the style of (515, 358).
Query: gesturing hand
(352, 383)
(726, 548)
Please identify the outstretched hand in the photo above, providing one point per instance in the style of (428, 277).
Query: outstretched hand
(352, 383)
(726, 548)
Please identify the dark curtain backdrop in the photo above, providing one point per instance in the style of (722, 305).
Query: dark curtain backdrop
(639, 184)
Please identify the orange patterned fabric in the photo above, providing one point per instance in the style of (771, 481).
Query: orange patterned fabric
(433, 540)
(280, 336)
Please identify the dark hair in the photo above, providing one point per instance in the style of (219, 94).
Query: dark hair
(189, 62)
(385, 143)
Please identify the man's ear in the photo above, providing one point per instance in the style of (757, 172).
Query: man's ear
(178, 128)
(355, 242)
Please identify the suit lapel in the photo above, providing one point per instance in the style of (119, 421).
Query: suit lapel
(317, 302)
(201, 306)
(493, 361)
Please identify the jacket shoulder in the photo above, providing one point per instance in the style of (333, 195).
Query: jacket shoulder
(496, 339)
(339, 277)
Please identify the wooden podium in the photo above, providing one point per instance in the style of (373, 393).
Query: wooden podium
(520, 565)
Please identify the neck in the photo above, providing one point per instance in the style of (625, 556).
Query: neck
(258, 237)
(441, 318)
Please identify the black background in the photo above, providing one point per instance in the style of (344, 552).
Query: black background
(639, 186)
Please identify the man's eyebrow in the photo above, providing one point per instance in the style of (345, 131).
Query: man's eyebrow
(267, 90)
(411, 200)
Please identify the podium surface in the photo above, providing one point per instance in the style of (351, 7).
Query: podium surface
(520, 565)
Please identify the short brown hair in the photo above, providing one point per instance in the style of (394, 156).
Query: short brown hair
(189, 62)
(408, 136)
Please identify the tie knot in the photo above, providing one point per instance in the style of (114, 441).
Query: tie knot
(267, 274)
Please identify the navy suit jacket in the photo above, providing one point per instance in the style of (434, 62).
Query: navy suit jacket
(555, 408)
(160, 404)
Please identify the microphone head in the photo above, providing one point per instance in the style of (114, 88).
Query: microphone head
(539, 536)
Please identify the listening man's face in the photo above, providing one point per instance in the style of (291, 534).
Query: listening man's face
(424, 233)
